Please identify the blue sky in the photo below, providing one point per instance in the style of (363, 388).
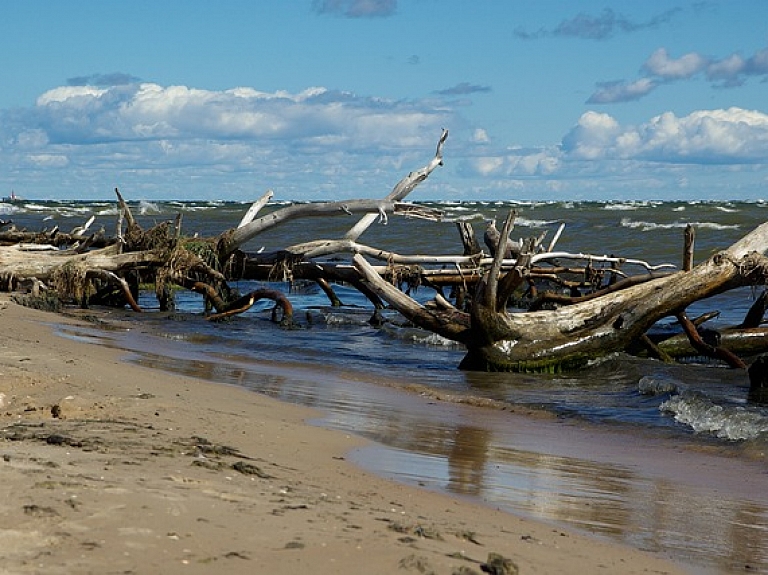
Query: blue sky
(335, 99)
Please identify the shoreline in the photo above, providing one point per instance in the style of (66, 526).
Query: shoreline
(108, 466)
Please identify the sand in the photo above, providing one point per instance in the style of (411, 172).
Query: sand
(110, 467)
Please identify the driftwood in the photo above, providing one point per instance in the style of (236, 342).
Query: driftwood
(516, 307)
(569, 336)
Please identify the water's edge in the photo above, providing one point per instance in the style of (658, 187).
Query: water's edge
(696, 504)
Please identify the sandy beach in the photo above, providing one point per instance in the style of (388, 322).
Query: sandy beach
(109, 467)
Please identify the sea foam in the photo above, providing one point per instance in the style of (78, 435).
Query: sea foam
(705, 416)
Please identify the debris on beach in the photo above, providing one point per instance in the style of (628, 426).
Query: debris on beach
(519, 306)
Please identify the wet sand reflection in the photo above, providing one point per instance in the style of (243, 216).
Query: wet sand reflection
(544, 469)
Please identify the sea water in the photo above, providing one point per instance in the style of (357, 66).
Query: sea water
(358, 374)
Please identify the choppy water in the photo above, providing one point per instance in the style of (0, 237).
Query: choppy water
(703, 407)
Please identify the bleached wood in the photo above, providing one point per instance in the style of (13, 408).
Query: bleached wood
(255, 208)
(401, 189)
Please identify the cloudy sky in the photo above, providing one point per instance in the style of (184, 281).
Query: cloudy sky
(333, 99)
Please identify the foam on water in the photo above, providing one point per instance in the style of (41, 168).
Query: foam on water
(531, 223)
(146, 207)
(703, 415)
(646, 226)
(621, 207)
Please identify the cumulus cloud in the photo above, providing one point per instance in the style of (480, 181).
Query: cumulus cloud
(733, 136)
(319, 143)
(666, 150)
(660, 68)
(139, 112)
(356, 8)
(661, 65)
(601, 27)
(146, 128)
(517, 163)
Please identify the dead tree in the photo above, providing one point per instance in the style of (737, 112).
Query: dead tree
(572, 314)
(570, 336)
(164, 257)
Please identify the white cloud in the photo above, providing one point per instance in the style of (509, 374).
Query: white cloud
(601, 155)
(480, 136)
(706, 136)
(660, 69)
(82, 114)
(179, 141)
(71, 93)
(48, 160)
(593, 134)
(488, 165)
(106, 131)
(660, 64)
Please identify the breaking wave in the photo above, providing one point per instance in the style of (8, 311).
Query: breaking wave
(701, 414)
(650, 226)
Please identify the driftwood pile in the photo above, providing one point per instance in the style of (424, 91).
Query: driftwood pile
(514, 306)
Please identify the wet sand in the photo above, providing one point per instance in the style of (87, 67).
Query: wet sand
(110, 467)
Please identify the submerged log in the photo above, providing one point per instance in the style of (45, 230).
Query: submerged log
(714, 350)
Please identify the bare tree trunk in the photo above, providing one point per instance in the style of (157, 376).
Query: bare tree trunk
(568, 337)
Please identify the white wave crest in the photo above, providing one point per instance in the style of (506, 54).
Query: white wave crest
(146, 207)
(528, 223)
(433, 339)
(705, 416)
(650, 226)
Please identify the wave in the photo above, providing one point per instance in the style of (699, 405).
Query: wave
(147, 207)
(650, 226)
(701, 414)
(630, 205)
(531, 223)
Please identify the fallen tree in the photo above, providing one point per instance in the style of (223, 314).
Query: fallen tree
(516, 307)
(569, 336)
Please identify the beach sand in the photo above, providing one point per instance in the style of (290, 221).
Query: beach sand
(109, 467)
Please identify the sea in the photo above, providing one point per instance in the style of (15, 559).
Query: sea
(669, 458)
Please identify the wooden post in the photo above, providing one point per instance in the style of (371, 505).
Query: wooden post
(690, 236)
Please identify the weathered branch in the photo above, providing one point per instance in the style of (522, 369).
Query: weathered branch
(452, 325)
(401, 189)
(491, 283)
(255, 208)
(376, 208)
(705, 348)
(121, 284)
(242, 304)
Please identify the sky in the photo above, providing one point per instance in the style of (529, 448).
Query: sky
(339, 99)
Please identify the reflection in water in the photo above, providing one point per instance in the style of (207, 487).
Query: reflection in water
(467, 458)
(702, 527)
(541, 469)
